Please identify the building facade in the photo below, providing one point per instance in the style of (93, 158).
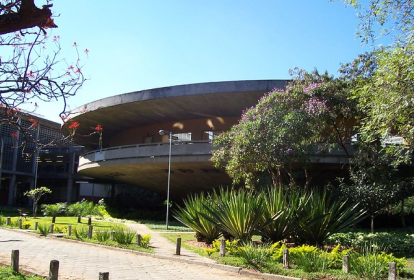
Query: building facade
(54, 166)
(134, 153)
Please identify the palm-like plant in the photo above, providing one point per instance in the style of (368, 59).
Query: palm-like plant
(280, 207)
(53, 210)
(319, 216)
(237, 213)
(77, 209)
(190, 216)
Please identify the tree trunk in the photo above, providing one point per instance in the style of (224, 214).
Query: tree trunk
(79, 219)
(402, 213)
(53, 219)
(372, 223)
(89, 221)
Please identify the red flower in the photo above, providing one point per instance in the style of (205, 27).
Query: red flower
(99, 128)
(14, 134)
(34, 122)
(74, 125)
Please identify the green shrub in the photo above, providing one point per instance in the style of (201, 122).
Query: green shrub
(310, 258)
(276, 250)
(232, 247)
(191, 216)
(43, 229)
(145, 240)
(102, 236)
(254, 256)
(373, 264)
(2, 220)
(26, 225)
(123, 236)
(81, 232)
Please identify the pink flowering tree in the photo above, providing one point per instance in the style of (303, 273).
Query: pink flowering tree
(32, 70)
(285, 130)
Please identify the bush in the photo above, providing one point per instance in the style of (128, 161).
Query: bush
(81, 232)
(232, 247)
(26, 225)
(123, 236)
(373, 264)
(102, 236)
(145, 240)
(254, 256)
(43, 229)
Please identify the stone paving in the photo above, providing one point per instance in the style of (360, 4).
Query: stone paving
(79, 260)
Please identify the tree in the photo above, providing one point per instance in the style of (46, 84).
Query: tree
(279, 135)
(374, 182)
(53, 210)
(36, 195)
(77, 209)
(31, 71)
(379, 18)
(16, 15)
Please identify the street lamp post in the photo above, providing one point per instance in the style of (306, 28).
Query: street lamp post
(169, 133)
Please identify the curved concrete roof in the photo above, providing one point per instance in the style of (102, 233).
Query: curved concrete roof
(217, 99)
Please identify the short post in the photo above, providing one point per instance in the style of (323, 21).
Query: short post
(69, 230)
(139, 239)
(8, 221)
(103, 275)
(392, 273)
(345, 264)
(20, 223)
(90, 232)
(52, 226)
(285, 258)
(222, 247)
(15, 260)
(54, 270)
(35, 225)
(112, 236)
(178, 249)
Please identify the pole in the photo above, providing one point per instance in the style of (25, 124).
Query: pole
(168, 184)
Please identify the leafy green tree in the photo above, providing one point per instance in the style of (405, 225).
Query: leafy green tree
(53, 210)
(384, 18)
(282, 130)
(374, 182)
(77, 209)
(36, 195)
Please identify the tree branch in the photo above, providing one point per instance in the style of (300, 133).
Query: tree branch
(28, 16)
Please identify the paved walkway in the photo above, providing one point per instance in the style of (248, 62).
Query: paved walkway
(79, 260)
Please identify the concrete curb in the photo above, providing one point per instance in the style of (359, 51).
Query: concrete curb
(177, 258)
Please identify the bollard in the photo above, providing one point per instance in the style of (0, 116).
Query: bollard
(15, 260)
(103, 275)
(222, 247)
(285, 258)
(392, 273)
(52, 226)
(69, 230)
(138, 239)
(8, 221)
(20, 223)
(54, 270)
(90, 232)
(35, 225)
(112, 236)
(345, 264)
(178, 249)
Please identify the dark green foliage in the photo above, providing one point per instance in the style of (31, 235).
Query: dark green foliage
(193, 215)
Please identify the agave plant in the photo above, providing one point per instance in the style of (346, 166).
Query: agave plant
(190, 215)
(280, 207)
(238, 213)
(319, 216)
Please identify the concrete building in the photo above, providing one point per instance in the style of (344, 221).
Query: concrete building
(54, 167)
(135, 154)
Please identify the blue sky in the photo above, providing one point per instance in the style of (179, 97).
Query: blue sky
(143, 44)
